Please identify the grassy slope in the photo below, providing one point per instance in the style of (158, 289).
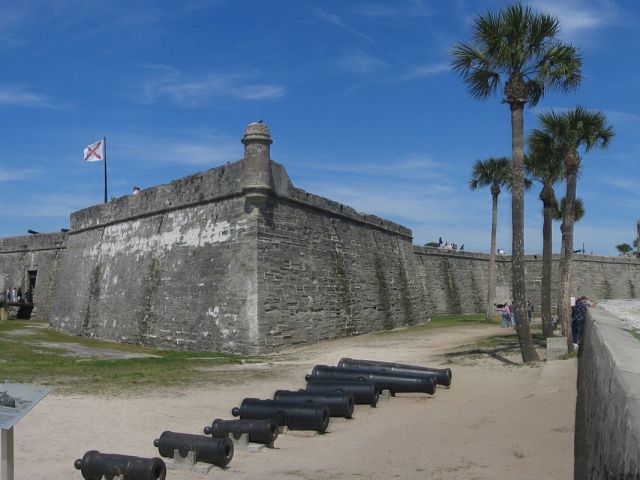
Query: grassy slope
(24, 359)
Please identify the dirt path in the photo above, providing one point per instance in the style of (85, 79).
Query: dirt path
(498, 421)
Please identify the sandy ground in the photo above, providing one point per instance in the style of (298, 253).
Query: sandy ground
(497, 421)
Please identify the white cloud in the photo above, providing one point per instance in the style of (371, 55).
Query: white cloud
(625, 183)
(48, 205)
(413, 168)
(578, 17)
(20, 96)
(361, 62)
(337, 21)
(10, 174)
(413, 8)
(204, 150)
(616, 117)
(193, 91)
(425, 71)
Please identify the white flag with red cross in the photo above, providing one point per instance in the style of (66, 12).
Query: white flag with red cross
(95, 152)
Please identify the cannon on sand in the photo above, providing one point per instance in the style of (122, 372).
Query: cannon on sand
(216, 451)
(295, 416)
(363, 392)
(340, 404)
(259, 431)
(394, 382)
(443, 375)
(96, 466)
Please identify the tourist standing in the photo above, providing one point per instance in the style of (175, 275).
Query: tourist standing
(506, 315)
(578, 317)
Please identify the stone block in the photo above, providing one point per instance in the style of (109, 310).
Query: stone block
(556, 348)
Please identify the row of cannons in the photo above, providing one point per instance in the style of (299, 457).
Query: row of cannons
(330, 392)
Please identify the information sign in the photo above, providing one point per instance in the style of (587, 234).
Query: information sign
(16, 400)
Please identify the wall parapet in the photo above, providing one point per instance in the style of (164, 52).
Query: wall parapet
(213, 185)
(31, 243)
(608, 409)
(317, 202)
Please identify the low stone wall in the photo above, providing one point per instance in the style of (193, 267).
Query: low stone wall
(608, 408)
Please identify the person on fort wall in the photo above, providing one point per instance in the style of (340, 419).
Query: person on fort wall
(578, 317)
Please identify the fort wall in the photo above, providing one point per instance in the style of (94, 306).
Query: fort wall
(325, 272)
(29, 259)
(607, 420)
(163, 269)
(238, 259)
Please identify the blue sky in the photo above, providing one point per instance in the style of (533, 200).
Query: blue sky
(359, 97)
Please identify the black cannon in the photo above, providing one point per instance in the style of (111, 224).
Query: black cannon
(259, 431)
(295, 416)
(96, 466)
(443, 375)
(363, 392)
(217, 451)
(340, 404)
(394, 382)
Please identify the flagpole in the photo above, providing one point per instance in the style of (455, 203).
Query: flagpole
(105, 169)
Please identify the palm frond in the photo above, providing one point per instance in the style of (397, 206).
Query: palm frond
(557, 212)
(489, 172)
(517, 42)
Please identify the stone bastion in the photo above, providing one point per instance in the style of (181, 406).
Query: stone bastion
(238, 259)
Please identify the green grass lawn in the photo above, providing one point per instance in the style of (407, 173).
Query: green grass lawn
(24, 359)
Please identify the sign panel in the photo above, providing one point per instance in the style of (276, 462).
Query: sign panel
(16, 400)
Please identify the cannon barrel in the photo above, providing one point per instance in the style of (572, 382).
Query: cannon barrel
(443, 375)
(340, 404)
(363, 392)
(259, 431)
(95, 466)
(217, 451)
(394, 382)
(295, 416)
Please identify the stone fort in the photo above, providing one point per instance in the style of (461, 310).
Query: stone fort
(238, 259)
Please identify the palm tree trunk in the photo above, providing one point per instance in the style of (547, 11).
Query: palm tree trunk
(527, 349)
(491, 291)
(547, 258)
(567, 244)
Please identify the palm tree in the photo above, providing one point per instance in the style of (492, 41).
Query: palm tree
(624, 249)
(566, 133)
(494, 172)
(560, 207)
(521, 49)
(545, 166)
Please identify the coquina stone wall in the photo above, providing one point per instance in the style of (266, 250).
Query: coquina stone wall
(608, 408)
(35, 256)
(326, 271)
(238, 259)
(174, 266)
